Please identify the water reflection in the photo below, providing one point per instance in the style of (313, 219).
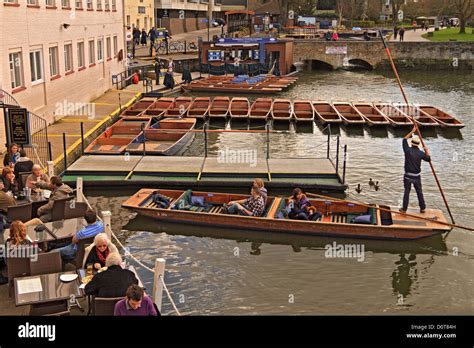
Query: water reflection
(404, 275)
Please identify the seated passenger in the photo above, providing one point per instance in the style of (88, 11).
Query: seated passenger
(252, 206)
(301, 208)
(261, 186)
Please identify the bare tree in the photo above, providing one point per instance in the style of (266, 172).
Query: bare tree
(464, 10)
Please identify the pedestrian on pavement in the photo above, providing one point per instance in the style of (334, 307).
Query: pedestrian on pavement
(414, 24)
(136, 36)
(143, 38)
(158, 66)
(171, 66)
(395, 32)
(402, 34)
(152, 35)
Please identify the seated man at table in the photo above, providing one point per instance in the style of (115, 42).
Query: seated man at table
(37, 179)
(93, 228)
(8, 180)
(113, 282)
(97, 253)
(58, 191)
(135, 303)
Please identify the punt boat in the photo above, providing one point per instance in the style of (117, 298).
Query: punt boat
(303, 110)
(443, 118)
(139, 107)
(166, 137)
(282, 110)
(239, 108)
(395, 117)
(179, 107)
(371, 114)
(219, 107)
(159, 107)
(326, 113)
(339, 218)
(349, 115)
(422, 119)
(116, 138)
(199, 108)
(261, 109)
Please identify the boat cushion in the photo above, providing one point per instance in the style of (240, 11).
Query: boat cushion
(197, 200)
(362, 219)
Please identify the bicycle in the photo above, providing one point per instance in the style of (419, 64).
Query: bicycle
(176, 47)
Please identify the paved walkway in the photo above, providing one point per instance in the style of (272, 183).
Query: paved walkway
(413, 36)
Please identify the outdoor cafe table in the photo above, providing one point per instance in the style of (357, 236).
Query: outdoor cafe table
(56, 231)
(45, 288)
(37, 200)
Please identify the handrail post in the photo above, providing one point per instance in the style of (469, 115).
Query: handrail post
(344, 166)
(79, 190)
(106, 218)
(82, 138)
(50, 151)
(64, 151)
(157, 285)
(337, 155)
(50, 168)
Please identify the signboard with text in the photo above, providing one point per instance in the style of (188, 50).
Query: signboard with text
(336, 50)
(18, 126)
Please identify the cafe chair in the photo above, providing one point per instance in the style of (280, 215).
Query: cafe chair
(46, 263)
(22, 176)
(59, 208)
(104, 306)
(49, 308)
(17, 267)
(78, 210)
(21, 212)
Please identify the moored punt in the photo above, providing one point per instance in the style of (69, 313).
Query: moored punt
(282, 110)
(219, 107)
(179, 107)
(117, 137)
(422, 119)
(239, 108)
(371, 114)
(304, 111)
(261, 109)
(338, 218)
(139, 107)
(443, 118)
(326, 112)
(166, 137)
(349, 115)
(396, 117)
(199, 108)
(159, 107)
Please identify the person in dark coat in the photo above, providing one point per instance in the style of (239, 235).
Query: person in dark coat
(169, 80)
(23, 164)
(136, 36)
(158, 65)
(152, 35)
(143, 38)
(11, 156)
(395, 32)
(113, 282)
(9, 181)
(401, 33)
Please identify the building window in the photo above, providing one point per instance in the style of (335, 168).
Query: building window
(80, 55)
(115, 45)
(138, 23)
(109, 47)
(10, 1)
(32, 2)
(53, 61)
(50, 3)
(36, 66)
(99, 5)
(100, 49)
(65, 3)
(107, 6)
(91, 52)
(78, 3)
(68, 64)
(89, 5)
(16, 69)
(128, 20)
(114, 5)
(141, 9)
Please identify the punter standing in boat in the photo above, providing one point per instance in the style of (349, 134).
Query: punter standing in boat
(413, 158)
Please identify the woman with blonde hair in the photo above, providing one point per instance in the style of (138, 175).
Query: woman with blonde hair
(18, 235)
(97, 252)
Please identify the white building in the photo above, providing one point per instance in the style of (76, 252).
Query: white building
(57, 51)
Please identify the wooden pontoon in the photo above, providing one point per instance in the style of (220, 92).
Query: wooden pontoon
(422, 119)
(371, 114)
(337, 217)
(139, 107)
(159, 107)
(220, 107)
(304, 111)
(349, 115)
(282, 110)
(164, 137)
(117, 137)
(261, 109)
(239, 108)
(179, 107)
(443, 118)
(395, 117)
(199, 108)
(326, 113)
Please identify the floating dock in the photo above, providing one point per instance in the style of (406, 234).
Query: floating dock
(205, 172)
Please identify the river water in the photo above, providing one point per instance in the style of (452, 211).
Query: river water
(215, 271)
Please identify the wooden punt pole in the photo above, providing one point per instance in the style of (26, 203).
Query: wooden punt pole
(417, 129)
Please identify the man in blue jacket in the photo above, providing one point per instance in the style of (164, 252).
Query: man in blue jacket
(413, 158)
